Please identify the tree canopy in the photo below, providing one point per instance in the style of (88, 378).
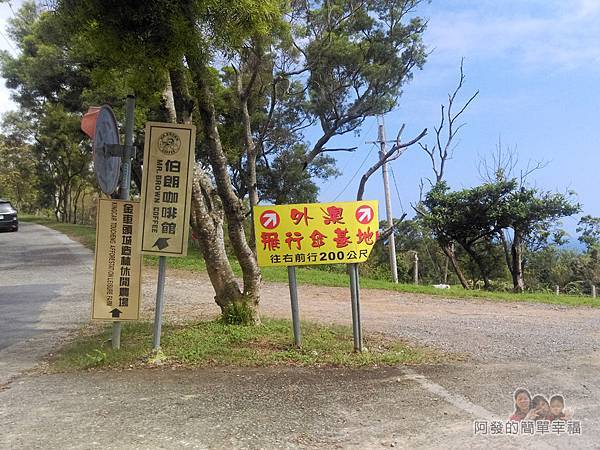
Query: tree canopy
(477, 216)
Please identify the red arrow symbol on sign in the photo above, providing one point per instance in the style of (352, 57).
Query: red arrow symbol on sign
(269, 219)
(364, 214)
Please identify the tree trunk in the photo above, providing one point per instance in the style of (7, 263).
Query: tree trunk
(183, 101)
(232, 205)
(251, 180)
(207, 219)
(517, 262)
(448, 250)
(84, 218)
(80, 187)
(66, 204)
(507, 252)
(207, 223)
(446, 270)
(481, 265)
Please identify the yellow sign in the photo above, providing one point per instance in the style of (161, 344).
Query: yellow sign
(118, 263)
(317, 233)
(169, 160)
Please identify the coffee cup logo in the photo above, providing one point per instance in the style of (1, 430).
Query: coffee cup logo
(169, 143)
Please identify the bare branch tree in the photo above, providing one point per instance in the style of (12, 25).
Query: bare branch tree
(501, 165)
(441, 152)
(447, 130)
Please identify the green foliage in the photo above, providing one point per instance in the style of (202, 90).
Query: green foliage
(466, 216)
(360, 56)
(286, 182)
(532, 213)
(471, 217)
(47, 85)
(238, 313)
(572, 271)
(589, 227)
(478, 217)
(18, 177)
(95, 358)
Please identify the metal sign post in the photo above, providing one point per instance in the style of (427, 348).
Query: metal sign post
(355, 297)
(128, 150)
(317, 233)
(125, 185)
(166, 199)
(295, 310)
(160, 301)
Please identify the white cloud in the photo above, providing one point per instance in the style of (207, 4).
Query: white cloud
(553, 34)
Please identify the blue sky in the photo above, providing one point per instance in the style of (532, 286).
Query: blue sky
(536, 64)
(537, 67)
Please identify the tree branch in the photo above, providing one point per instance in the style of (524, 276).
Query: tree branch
(396, 148)
(443, 151)
(383, 235)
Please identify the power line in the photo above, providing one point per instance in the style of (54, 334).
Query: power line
(4, 36)
(397, 191)
(350, 159)
(8, 42)
(355, 173)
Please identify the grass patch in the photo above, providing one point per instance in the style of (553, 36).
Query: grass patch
(309, 275)
(213, 343)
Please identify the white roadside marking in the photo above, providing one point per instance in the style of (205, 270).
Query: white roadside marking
(460, 402)
(456, 400)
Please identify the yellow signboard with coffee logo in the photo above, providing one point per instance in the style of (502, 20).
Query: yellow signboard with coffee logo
(167, 188)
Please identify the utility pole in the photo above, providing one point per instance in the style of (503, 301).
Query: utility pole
(416, 269)
(388, 203)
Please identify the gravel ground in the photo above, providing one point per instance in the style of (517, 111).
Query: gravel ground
(485, 330)
(547, 349)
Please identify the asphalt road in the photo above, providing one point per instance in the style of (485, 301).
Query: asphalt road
(45, 285)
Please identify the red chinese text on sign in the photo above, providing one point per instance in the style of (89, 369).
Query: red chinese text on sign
(270, 241)
(293, 237)
(341, 240)
(365, 214)
(317, 239)
(365, 236)
(297, 216)
(333, 215)
(269, 219)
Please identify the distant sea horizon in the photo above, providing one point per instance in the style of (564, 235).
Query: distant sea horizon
(573, 244)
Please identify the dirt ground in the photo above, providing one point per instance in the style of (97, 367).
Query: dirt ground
(483, 330)
(547, 349)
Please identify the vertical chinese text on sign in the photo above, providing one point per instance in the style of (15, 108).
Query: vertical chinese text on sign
(167, 188)
(118, 261)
